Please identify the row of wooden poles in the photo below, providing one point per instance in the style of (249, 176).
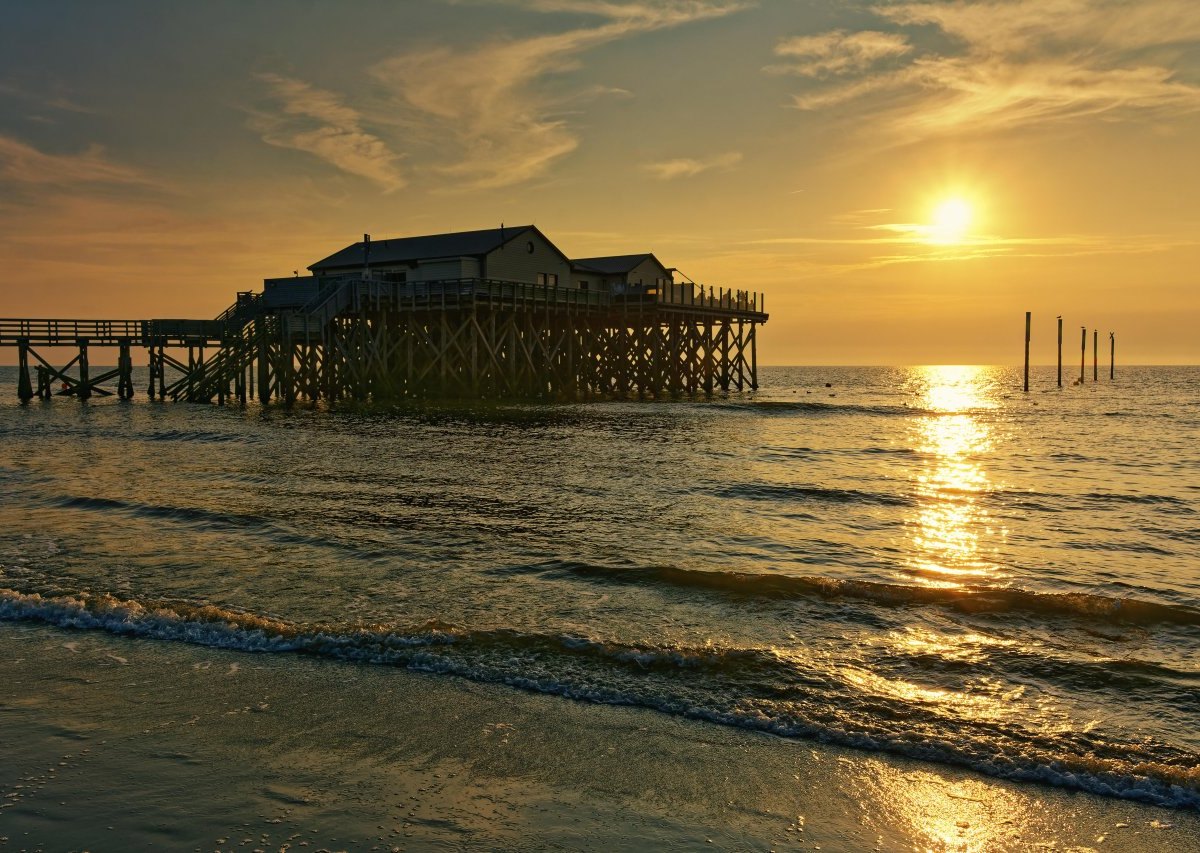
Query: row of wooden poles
(1112, 352)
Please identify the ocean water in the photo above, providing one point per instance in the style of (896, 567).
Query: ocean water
(921, 561)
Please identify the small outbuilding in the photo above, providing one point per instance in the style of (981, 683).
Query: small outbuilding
(620, 274)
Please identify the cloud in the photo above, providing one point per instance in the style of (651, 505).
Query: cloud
(1007, 64)
(837, 52)
(684, 167)
(57, 102)
(1014, 26)
(21, 163)
(662, 13)
(860, 240)
(489, 100)
(320, 123)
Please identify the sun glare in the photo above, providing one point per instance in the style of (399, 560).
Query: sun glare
(951, 220)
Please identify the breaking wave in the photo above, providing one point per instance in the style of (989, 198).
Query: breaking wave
(773, 693)
(972, 599)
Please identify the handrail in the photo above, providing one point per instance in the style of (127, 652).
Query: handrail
(245, 308)
(354, 292)
(47, 331)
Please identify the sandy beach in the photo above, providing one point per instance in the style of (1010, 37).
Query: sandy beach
(116, 744)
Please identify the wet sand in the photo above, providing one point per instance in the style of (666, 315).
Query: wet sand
(113, 744)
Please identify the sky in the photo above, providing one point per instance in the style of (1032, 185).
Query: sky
(903, 180)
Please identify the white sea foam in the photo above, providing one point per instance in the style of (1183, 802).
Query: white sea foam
(491, 656)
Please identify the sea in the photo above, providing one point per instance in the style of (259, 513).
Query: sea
(924, 561)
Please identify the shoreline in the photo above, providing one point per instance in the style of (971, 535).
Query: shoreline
(120, 743)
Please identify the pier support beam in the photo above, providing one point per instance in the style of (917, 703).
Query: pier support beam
(84, 390)
(24, 387)
(153, 372)
(124, 371)
(1060, 351)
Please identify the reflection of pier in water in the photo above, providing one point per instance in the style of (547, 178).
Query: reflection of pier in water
(365, 338)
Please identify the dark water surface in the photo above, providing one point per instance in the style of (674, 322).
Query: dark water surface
(918, 560)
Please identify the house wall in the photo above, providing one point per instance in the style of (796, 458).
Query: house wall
(648, 272)
(357, 268)
(594, 279)
(450, 268)
(514, 261)
(288, 292)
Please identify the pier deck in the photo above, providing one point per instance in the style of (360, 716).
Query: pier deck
(370, 339)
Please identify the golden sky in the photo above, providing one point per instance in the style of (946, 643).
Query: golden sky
(903, 179)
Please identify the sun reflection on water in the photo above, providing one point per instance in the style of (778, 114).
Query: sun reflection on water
(949, 518)
(932, 811)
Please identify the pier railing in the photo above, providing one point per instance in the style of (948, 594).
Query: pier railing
(336, 294)
(52, 332)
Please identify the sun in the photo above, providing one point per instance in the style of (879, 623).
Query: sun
(951, 221)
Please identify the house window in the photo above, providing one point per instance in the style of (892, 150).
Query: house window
(541, 278)
(583, 284)
(547, 279)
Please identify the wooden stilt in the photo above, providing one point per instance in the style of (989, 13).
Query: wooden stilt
(264, 363)
(153, 368)
(84, 389)
(124, 370)
(162, 372)
(1060, 351)
(753, 357)
(1082, 352)
(24, 387)
(1028, 316)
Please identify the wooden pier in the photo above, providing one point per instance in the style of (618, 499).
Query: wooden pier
(372, 339)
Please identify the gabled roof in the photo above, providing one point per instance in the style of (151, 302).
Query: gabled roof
(612, 264)
(404, 249)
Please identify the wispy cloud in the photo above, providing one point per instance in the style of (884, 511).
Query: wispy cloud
(320, 123)
(685, 167)
(1008, 64)
(21, 163)
(645, 13)
(487, 99)
(57, 102)
(887, 244)
(837, 52)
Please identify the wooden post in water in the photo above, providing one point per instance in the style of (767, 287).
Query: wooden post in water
(191, 372)
(124, 371)
(85, 388)
(753, 357)
(1082, 351)
(1028, 319)
(1095, 354)
(1112, 355)
(24, 386)
(1059, 350)
(162, 372)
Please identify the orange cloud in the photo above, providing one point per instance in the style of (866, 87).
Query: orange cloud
(685, 167)
(1017, 63)
(21, 163)
(320, 123)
